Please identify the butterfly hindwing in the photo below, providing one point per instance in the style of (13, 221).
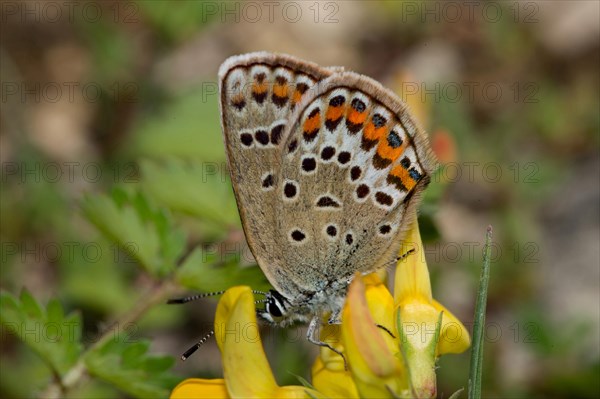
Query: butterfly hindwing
(258, 93)
(353, 167)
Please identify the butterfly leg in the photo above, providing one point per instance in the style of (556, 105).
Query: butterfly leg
(335, 317)
(313, 330)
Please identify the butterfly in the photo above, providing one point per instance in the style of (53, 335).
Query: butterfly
(327, 167)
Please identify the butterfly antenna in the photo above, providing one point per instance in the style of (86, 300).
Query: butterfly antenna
(193, 297)
(405, 255)
(399, 258)
(194, 348)
(200, 296)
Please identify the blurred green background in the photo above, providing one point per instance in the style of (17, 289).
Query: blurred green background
(115, 195)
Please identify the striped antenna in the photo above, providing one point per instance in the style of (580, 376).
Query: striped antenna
(399, 258)
(193, 297)
(194, 348)
(187, 299)
(205, 295)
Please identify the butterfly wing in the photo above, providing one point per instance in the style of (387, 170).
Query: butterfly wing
(258, 92)
(353, 167)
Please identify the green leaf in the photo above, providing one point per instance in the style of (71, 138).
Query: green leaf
(203, 271)
(133, 352)
(475, 371)
(303, 381)
(54, 311)
(158, 364)
(54, 337)
(200, 189)
(97, 283)
(145, 233)
(130, 368)
(30, 306)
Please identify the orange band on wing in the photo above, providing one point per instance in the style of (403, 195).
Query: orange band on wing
(312, 124)
(334, 113)
(280, 90)
(259, 88)
(401, 173)
(372, 133)
(356, 117)
(301, 88)
(384, 150)
(297, 96)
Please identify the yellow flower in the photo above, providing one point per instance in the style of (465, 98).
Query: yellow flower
(402, 365)
(246, 371)
(200, 388)
(427, 329)
(390, 342)
(372, 352)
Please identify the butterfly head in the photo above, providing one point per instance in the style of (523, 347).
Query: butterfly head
(282, 311)
(276, 309)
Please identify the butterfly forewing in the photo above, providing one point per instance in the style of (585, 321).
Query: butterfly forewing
(353, 167)
(258, 93)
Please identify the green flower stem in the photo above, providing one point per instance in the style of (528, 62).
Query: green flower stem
(479, 322)
(60, 386)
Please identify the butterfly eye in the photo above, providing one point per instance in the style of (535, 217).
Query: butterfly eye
(273, 308)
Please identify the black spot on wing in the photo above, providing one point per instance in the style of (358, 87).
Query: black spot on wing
(246, 139)
(344, 157)
(298, 235)
(262, 137)
(276, 133)
(309, 164)
(331, 231)
(327, 202)
(383, 198)
(327, 153)
(268, 181)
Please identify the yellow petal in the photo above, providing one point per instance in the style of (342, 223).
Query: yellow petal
(376, 371)
(419, 322)
(454, 337)
(381, 308)
(245, 367)
(332, 334)
(413, 289)
(379, 301)
(226, 304)
(197, 388)
(366, 339)
(412, 276)
(294, 391)
(333, 382)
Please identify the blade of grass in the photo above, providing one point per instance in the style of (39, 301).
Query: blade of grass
(479, 322)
